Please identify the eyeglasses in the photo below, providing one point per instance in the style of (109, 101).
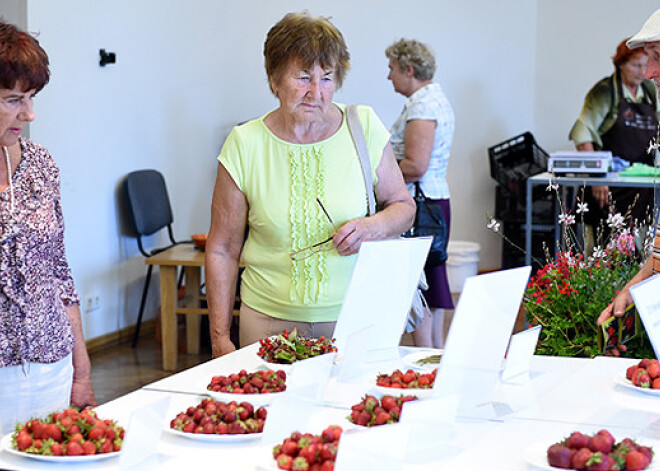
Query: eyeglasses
(322, 246)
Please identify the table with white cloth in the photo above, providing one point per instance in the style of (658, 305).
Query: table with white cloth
(560, 395)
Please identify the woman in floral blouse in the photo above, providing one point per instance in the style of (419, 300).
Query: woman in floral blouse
(43, 360)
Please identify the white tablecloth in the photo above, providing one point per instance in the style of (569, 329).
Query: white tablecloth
(562, 395)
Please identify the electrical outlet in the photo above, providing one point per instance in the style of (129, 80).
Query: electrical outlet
(92, 303)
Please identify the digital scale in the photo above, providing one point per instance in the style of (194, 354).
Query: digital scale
(589, 164)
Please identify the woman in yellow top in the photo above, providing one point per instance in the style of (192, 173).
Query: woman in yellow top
(278, 176)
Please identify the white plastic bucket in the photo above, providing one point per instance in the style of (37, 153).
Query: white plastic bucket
(462, 262)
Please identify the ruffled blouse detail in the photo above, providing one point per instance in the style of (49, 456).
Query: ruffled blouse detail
(309, 225)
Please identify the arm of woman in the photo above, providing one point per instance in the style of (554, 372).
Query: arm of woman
(82, 392)
(419, 138)
(624, 299)
(223, 251)
(396, 210)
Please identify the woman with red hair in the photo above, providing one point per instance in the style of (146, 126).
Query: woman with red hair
(620, 114)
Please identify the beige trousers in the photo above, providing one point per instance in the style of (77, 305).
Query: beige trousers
(255, 326)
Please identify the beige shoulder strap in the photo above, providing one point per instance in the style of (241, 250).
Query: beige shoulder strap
(355, 127)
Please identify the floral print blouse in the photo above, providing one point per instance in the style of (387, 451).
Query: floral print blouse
(36, 284)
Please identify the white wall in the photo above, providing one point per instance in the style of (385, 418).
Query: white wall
(186, 72)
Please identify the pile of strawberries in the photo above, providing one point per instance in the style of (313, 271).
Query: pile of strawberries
(301, 452)
(69, 433)
(599, 452)
(217, 417)
(645, 374)
(259, 382)
(408, 380)
(289, 347)
(370, 411)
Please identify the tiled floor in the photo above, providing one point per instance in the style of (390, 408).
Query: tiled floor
(119, 370)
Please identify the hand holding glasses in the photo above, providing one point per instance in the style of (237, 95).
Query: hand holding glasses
(322, 246)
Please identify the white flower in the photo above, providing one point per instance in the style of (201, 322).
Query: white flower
(598, 252)
(615, 220)
(494, 225)
(565, 218)
(582, 208)
(653, 145)
(552, 186)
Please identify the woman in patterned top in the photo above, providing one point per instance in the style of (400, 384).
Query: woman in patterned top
(275, 174)
(421, 138)
(44, 364)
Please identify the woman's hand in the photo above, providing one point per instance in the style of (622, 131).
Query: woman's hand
(348, 239)
(617, 307)
(601, 194)
(82, 393)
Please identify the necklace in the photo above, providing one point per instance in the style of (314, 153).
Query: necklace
(11, 186)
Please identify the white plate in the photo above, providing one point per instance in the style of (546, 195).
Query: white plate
(626, 383)
(420, 393)
(536, 455)
(214, 437)
(6, 445)
(411, 359)
(257, 400)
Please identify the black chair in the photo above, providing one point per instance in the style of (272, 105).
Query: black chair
(149, 211)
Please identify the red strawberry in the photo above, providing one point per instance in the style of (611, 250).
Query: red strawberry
(327, 465)
(56, 449)
(89, 448)
(382, 418)
(289, 447)
(580, 458)
(654, 370)
(74, 449)
(630, 371)
(601, 462)
(636, 460)
(300, 464)
(95, 433)
(577, 440)
(559, 456)
(648, 452)
(284, 462)
(600, 443)
(24, 440)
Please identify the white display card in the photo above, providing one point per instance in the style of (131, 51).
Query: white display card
(519, 355)
(143, 433)
(373, 448)
(647, 301)
(380, 293)
(479, 335)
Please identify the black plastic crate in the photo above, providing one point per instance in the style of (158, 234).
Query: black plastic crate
(516, 159)
(510, 204)
(513, 257)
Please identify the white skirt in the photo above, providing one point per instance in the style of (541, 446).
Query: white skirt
(34, 390)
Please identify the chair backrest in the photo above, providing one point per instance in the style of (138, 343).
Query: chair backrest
(148, 202)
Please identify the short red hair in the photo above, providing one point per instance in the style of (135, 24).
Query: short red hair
(22, 59)
(623, 53)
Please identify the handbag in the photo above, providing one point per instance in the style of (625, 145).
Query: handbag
(429, 222)
(418, 308)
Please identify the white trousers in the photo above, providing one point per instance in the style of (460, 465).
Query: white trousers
(34, 390)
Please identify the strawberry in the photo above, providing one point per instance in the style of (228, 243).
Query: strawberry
(577, 440)
(24, 440)
(636, 460)
(580, 458)
(382, 418)
(74, 449)
(630, 371)
(656, 383)
(601, 462)
(559, 456)
(654, 370)
(646, 451)
(299, 464)
(56, 449)
(89, 448)
(327, 465)
(52, 431)
(599, 443)
(284, 462)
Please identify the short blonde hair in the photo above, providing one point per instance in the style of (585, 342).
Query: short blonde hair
(309, 39)
(407, 52)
